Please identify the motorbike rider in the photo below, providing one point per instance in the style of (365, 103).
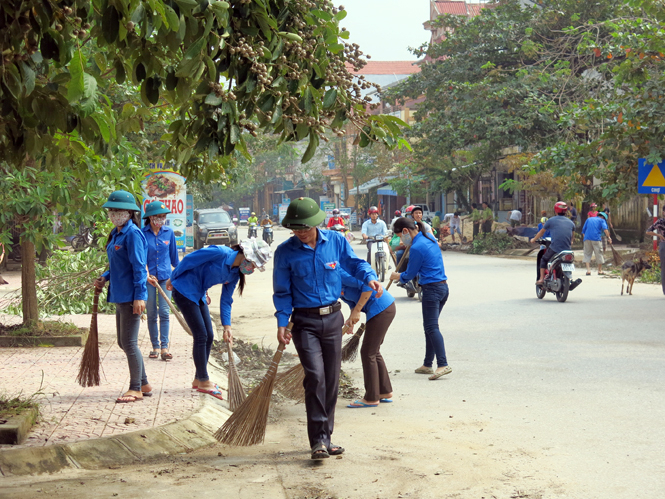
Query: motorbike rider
(373, 227)
(252, 220)
(417, 214)
(562, 231)
(397, 215)
(336, 219)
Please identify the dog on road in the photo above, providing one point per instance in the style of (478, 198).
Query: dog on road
(631, 271)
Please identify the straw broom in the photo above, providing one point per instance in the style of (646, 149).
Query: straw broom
(618, 261)
(247, 424)
(89, 368)
(401, 264)
(290, 382)
(236, 391)
(350, 348)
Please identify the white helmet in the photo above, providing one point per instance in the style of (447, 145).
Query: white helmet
(257, 252)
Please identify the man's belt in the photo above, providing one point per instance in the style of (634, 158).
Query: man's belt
(335, 307)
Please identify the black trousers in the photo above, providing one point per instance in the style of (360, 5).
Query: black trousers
(318, 340)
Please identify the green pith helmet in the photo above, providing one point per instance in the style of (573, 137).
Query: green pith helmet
(303, 213)
(155, 208)
(121, 200)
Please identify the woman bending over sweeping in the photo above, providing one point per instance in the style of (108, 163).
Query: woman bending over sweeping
(425, 260)
(162, 255)
(190, 281)
(127, 275)
(379, 313)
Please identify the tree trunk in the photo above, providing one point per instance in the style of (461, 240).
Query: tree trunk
(28, 283)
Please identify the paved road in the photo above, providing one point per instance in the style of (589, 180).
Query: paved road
(546, 399)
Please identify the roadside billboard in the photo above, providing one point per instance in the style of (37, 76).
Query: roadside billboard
(168, 187)
(244, 215)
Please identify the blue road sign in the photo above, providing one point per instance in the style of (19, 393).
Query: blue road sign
(650, 178)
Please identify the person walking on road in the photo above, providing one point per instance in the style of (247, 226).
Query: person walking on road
(190, 281)
(657, 229)
(126, 249)
(379, 313)
(426, 261)
(373, 227)
(307, 284)
(162, 255)
(592, 232)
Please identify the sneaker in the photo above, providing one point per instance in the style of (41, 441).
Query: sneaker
(442, 371)
(424, 370)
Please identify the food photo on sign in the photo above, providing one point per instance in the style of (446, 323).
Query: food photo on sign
(169, 188)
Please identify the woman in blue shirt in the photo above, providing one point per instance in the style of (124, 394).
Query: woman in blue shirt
(379, 313)
(190, 281)
(126, 249)
(162, 255)
(425, 260)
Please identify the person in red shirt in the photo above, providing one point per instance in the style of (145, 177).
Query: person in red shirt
(336, 219)
(594, 210)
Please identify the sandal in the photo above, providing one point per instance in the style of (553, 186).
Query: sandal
(166, 356)
(588, 273)
(335, 450)
(212, 391)
(125, 399)
(154, 355)
(319, 451)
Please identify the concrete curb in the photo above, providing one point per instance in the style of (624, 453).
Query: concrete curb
(183, 436)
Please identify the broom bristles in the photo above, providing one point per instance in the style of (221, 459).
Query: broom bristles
(247, 424)
(89, 369)
(350, 348)
(290, 383)
(236, 391)
(618, 261)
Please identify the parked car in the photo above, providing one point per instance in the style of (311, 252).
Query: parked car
(214, 226)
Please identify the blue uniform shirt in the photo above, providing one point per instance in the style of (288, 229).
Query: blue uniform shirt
(162, 251)
(593, 228)
(204, 268)
(307, 278)
(352, 288)
(424, 259)
(127, 275)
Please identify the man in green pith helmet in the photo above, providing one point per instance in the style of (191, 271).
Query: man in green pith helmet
(307, 285)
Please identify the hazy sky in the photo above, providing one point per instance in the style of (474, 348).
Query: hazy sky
(386, 29)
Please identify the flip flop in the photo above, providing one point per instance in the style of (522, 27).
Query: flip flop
(133, 397)
(212, 391)
(359, 405)
(153, 355)
(167, 356)
(385, 401)
(588, 273)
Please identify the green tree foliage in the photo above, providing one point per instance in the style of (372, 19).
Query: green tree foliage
(505, 78)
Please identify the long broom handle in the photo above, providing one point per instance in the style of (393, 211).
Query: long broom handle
(401, 263)
(392, 253)
(181, 320)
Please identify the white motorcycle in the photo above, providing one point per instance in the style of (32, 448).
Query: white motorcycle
(378, 255)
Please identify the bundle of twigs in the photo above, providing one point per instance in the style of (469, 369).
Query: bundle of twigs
(618, 261)
(350, 348)
(247, 424)
(236, 391)
(89, 368)
(180, 318)
(290, 382)
(401, 264)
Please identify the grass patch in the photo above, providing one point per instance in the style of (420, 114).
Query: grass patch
(11, 406)
(48, 328)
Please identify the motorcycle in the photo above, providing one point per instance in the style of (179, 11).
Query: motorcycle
(267, 234)
(559, 273)
(84, 239)
(378, 256)
(251, 231)
(344, 231)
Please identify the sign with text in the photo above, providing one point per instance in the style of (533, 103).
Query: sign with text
(650, 178)
(168, 187)
(190, 220)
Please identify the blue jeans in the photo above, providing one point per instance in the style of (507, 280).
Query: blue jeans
(197, 317)
(435, 296)
(127, 325)
(151, 309)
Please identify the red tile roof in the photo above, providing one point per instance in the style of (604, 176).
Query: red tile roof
(387, 68)
(451, 7)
